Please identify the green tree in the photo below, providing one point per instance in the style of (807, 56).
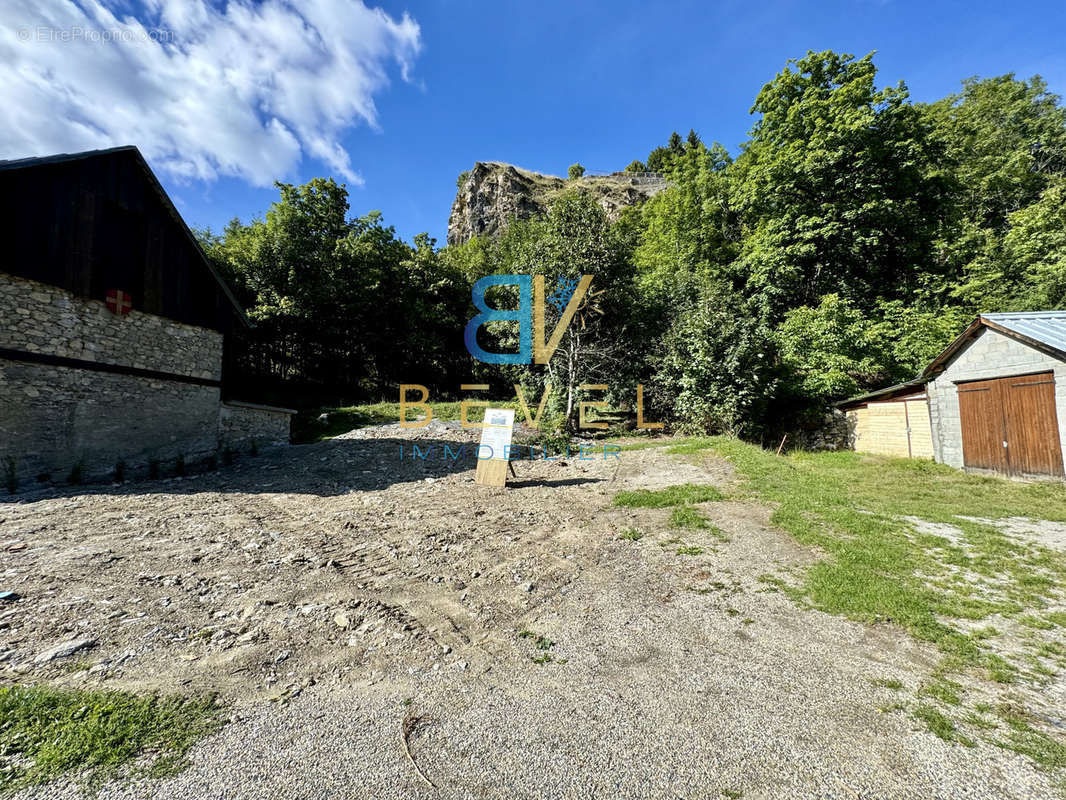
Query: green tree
(716, 369)
(830, 350)
(837, 186)
(575, 171)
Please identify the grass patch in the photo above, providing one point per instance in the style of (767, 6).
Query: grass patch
(945, 691)
(631, 535)
(690, 550)
(46, 732)
(688, 517)
(888, 683)
(670, 496)
(880, 565)
(936, 723)
(879, 568)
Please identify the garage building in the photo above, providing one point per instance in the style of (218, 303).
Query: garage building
(991, 400)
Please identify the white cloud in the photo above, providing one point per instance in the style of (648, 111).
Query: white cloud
(243, 89)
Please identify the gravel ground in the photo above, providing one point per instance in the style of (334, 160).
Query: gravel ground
(666, 675)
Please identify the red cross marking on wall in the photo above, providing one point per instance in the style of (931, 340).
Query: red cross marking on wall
(118, 302)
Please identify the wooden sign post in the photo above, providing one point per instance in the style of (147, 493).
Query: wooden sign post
(492, 453)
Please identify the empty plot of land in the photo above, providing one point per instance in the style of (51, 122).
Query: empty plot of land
(540, 641)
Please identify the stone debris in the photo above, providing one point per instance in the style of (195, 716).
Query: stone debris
(64, 650)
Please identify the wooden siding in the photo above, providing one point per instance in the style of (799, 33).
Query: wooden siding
(898, 427)
(92, 224)
(1010, 425)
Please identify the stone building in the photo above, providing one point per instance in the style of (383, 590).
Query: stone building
(113, 327)
(991, 401)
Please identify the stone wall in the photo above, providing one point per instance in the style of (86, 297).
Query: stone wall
(55, 420)
(834, 432)
(989, 355)
(45, 319)
(240, 424)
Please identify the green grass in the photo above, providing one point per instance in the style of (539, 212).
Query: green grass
(1023, 738)
(307, 429)
(936, 723)
(670, 496)
(688, 517)
(631, 535)
(689, 550)
(46, 732)
(888, 683)
(877, 566)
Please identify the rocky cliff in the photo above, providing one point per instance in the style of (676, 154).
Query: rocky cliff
(492, 194)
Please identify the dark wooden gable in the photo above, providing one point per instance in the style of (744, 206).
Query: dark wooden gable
(98, 221)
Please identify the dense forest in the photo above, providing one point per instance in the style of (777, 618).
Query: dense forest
(853, 236)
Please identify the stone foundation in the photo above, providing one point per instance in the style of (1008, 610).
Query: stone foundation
(83, 389)
(57, 421)
(240, 424)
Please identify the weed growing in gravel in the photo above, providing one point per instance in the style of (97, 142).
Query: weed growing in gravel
(45, 732)
(1025, 739)
(688, 517)
(943, 690)
(631, 535)
(939, 725)
(888, 683)
(670, 496)
(689, 550)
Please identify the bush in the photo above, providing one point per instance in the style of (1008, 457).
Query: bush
(717, 371)
(575, 171)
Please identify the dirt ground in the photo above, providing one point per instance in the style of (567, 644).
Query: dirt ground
(327, 591)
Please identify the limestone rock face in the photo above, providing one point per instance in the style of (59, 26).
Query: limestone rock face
(492, 194)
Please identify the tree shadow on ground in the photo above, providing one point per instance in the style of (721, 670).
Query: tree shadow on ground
(326, 469)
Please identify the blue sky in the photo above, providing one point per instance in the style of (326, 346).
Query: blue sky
(403, 99)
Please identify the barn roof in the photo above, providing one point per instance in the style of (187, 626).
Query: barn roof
(132, 151)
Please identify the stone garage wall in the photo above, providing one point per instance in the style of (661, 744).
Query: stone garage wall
(240, 424)
(56, 418)
(989, 355)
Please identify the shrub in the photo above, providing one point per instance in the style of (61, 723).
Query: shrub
(575, 171)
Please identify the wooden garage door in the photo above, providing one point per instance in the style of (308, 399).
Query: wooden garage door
(1010, 425)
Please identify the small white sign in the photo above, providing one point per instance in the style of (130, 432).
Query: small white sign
(496, 433)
